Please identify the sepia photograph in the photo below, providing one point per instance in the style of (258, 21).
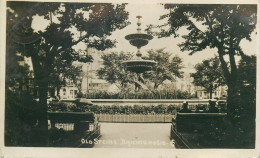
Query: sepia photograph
(155, 76)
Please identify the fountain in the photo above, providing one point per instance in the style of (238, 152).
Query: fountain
(22, 33)
(139, 65)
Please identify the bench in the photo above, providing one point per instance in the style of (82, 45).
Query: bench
(199, 122)
(68, 128)
(200, 130)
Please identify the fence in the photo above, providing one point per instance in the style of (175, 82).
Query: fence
(145, 102)
(123, 118)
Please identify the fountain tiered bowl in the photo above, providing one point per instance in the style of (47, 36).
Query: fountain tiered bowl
(139, 65)
(138, 39)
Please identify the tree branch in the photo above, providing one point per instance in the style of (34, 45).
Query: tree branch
(79, 40)
(212, 32)
(224, 64)
(231, 54)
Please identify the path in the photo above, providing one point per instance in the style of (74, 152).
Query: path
(134, 135)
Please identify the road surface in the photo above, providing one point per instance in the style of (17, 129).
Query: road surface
(134, 135)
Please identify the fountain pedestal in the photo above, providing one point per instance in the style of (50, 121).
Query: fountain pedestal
(139, 40)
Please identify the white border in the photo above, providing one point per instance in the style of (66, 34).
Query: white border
(119, 152)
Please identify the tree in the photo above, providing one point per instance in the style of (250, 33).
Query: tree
(94, 21)
(62, 74)
(167, 67)
(114, 71)
(247, 97)
(209, 75)
(247, 85)
(76, 74)
(225, 27)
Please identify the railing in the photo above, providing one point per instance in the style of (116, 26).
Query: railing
(65, 126)
(135, 118)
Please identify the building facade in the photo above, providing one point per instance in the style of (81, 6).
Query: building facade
(218, 93)
(68, 92)
(91, 82)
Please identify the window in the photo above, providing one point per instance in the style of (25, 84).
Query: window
(64, 91)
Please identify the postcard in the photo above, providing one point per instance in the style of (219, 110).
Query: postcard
(164, 79)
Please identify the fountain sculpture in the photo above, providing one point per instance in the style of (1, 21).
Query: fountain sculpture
(139, 65)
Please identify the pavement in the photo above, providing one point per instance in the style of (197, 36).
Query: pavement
(134, 135)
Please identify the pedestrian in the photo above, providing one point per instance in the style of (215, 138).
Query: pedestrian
(185, 108)
(212, 107)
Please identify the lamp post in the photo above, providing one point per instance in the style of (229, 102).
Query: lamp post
(84, 53)
(87, 77)
(88, 64)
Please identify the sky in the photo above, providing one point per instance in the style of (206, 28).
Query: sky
(150, 15)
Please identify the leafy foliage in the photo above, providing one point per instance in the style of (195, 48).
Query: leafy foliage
(247, 99)
(115, 109)
(247, 71)
(141, 94)
(167, 67)
(208, 75)
(247, 85)
(51, 50)
(224, 26)
(55, 48)
(113, 70)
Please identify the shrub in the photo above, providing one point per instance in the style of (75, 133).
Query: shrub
(119, 109)
(57, 106)
(141, 94)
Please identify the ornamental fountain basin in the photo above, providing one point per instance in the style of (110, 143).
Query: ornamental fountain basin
(139, 66)
(138, 39)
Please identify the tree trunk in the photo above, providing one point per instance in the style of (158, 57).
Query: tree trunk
(155, 85)
(233, 103)
(43, 121)
(231, 80)
(210, 91)
(58, 91)
(42, 81)
(232, 99)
